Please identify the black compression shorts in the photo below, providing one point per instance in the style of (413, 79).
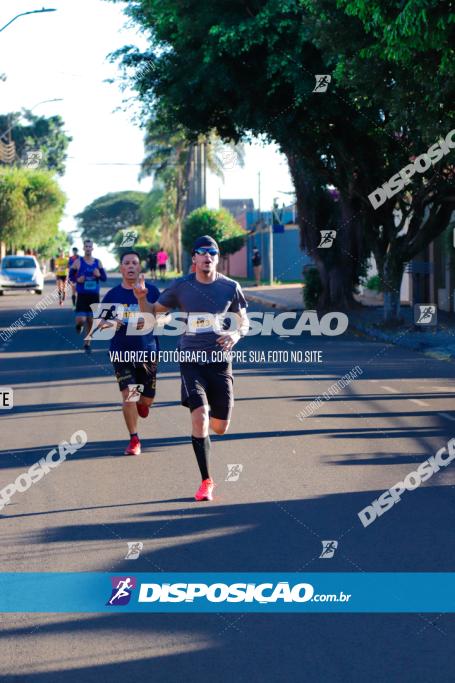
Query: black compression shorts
(137, 373)
(83, 302)
(210, 384)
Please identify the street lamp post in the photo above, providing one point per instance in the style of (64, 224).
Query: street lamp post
(23, 14)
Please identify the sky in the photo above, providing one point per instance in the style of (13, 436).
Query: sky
(63, 54)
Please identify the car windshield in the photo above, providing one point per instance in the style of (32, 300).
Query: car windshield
(17, 262)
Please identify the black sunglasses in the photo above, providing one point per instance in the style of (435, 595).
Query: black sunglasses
(206, 250)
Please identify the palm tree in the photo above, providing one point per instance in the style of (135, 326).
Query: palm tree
(168, 156)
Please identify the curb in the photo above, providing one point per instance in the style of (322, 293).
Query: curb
(436, 353)
(422, 347)
(267, 302)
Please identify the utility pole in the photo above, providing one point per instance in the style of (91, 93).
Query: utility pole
(197, 185)
(271, 253)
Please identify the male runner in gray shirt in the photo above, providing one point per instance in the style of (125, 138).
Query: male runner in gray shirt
(207, 388)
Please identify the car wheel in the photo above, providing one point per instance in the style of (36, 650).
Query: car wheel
(38, 291)
(1, 292)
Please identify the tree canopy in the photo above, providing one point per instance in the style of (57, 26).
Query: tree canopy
(45, 134)
(247, 69)
(219, 224)
(106, 215)
(31, 206)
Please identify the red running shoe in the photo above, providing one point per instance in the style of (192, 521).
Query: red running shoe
(205, 491)
(134, 446)
(142, 409)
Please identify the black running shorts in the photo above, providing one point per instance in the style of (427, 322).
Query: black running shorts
(137, 373)
(210, 384)
(83, 302)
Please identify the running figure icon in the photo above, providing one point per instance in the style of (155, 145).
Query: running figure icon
(123, 594)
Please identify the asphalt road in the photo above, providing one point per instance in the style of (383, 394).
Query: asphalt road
(302, 482)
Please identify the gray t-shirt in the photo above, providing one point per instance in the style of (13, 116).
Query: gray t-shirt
(205, 304)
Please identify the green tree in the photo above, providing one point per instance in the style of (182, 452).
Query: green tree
(45, 134)
(106, 215)
(31, 206)
(247, 69)
(219, 224)
(59, 241)
(168, 157)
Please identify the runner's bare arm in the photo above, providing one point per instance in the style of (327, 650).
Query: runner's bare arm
(230, 338)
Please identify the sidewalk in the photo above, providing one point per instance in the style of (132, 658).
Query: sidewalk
(435, 342)
(283, 297)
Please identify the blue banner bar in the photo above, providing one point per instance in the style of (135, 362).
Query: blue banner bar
(227, 592)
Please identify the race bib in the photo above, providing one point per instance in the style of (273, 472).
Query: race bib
(90, 285)
(203, 323)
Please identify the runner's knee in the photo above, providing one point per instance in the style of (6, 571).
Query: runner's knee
(219, 426)
(200, 421)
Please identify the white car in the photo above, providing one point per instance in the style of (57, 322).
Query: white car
(21, 272)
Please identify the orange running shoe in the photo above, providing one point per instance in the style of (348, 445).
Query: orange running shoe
(142, 409)
(205, 491)
(134, 446)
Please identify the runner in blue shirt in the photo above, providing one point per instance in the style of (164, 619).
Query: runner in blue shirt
(136, 379)
(87, 272)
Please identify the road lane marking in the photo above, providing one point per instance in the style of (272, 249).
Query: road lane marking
(391, 389)
(418, 403)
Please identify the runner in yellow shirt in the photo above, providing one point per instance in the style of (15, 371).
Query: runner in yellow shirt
(61, 273)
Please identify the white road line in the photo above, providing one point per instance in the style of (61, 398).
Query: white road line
(418, 403)
(391, 389)
(449, 417)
